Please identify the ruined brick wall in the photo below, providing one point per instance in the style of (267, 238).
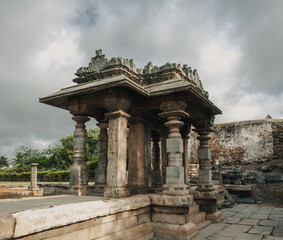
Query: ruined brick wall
(277, 133)
(246, 142)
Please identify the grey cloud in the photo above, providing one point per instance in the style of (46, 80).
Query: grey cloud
(157, 31)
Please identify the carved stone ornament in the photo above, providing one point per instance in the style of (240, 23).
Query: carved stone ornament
(167, 106)
(100, 67)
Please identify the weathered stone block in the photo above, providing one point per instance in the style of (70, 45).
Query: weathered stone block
(214, 217)
(171, 201)
(193, 209)
(7, 224)
(170, 210)
(130, 203)
(204, 153)
(133, 233)
(205, 176)
(144, 218)
(171, 229)
(174, 175)
(169, 218)
(47, 218)
(174, 145)
(187, 229)
(116, 192)
(196, 217)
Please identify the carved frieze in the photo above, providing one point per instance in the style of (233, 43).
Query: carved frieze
(100, 67)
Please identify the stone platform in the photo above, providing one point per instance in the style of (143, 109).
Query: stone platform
(16, 192)
(90, 217)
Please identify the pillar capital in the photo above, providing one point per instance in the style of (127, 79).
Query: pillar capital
(115, 101)
(116, 114)
(173, 105)
(80, 119)
(174, 122)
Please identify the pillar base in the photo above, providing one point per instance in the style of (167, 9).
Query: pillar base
(207, 200)
(134, 189)
(98, 188)
(214, 217)
(175, 189)
(79, 190)
(78, 174)
(204, 187)
(116, 192)
(172, 216)
(205, 180)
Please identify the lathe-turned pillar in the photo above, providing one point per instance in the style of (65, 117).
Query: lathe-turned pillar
(78, 171)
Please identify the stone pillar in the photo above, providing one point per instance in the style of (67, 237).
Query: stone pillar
(78, 171)
(117, 155)
(207, 195)
(173, 210)
(186, 161)
(204, 156)
(175, 180)
(136, 148)
(101, 169)
(33, 182)
(164, 156)
(156, 170)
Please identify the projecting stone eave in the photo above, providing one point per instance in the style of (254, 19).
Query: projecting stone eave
(60, 98)
(180, 85)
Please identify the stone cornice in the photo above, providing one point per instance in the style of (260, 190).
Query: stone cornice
(100, 67)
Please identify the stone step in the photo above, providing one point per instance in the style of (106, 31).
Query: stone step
(203, 224)
(197, 217)
(193, 209)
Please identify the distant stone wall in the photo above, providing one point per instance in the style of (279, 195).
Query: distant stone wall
(246, 142)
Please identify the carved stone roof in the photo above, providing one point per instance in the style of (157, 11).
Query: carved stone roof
(119, 73)
(100, 67)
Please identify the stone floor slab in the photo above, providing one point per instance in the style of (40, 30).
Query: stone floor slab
(276, 217)
(246, 221)
(220, 238)
(231, 220)
(259, 216)
(278, 232)
(212, 229)
(269, 223)
(246, 236)
(233, 230)
(273, 238)
(243, 214)
(228, 214)
(261, 230)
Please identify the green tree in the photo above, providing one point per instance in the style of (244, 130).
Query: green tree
(4, 162)
(25, 156)
(58, 156)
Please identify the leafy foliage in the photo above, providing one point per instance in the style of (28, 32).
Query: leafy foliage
(43, 176)
(58, 156)
(3, 162)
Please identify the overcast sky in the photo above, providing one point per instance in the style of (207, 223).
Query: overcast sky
(237, 47)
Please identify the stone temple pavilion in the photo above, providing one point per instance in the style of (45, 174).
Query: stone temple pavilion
(157, 105)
